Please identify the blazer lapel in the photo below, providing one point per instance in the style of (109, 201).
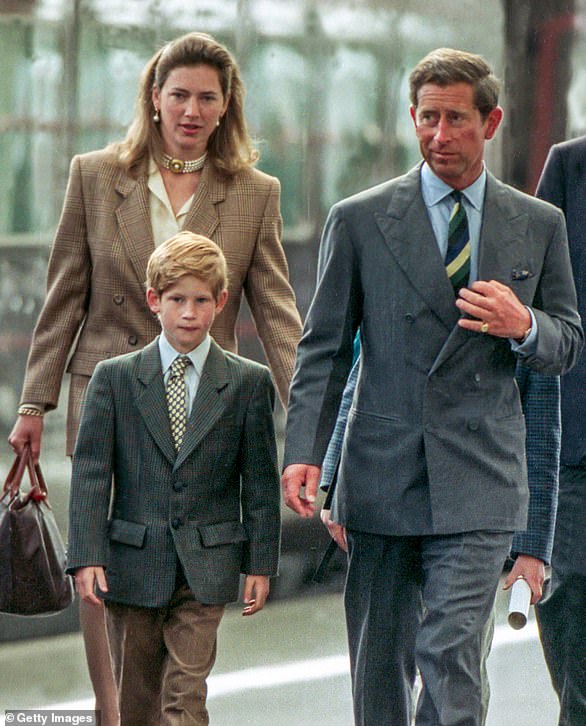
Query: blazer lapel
(409, 235)
(133, 216)
(209, 403)
(151, 399)
(203, 216)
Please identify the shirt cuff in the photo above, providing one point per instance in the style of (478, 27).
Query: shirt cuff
(529, 345)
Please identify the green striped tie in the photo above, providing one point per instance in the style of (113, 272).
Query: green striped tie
(458, 253)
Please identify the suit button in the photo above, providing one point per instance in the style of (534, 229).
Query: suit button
(132, 340)
(409, 318)
(118, 299)
(473, 425)
(177, 486)
(429, 428)
(477, 378)
(176, 523)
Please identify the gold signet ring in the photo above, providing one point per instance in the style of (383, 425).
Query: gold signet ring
(484, 327)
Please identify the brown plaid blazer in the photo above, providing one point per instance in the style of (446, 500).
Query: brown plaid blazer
(95, 306)
(214, 505)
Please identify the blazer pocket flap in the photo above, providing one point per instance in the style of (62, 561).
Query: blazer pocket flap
(222, 533)
(130, 533)
(83, 363)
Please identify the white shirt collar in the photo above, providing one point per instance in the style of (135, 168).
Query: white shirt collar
(157, 187)
(197, 356)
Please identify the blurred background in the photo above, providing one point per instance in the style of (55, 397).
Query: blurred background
(328, 104)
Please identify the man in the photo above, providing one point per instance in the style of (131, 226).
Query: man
(531, 549)
(562, 615)
(432, 480)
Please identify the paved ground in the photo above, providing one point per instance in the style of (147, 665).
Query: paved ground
(285, 667)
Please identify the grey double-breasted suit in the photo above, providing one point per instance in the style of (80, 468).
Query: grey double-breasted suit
(436, 427)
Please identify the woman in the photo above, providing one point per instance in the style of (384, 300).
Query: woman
(186, 163)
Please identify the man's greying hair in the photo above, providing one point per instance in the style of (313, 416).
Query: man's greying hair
(446, 66)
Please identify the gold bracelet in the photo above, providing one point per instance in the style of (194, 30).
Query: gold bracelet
(28, 411)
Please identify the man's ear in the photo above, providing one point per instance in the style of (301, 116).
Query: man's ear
(493, 121)
(413, 112)
(153, 300)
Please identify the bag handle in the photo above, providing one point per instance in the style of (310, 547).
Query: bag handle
(38, 490)
(14, 476)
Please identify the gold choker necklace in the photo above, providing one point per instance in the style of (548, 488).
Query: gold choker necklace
(178, 166)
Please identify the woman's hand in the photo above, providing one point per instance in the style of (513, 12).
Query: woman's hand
(27, 430)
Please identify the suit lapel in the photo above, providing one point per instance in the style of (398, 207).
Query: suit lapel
(133, 216)
(503, 236)
(501, 245)
(409, 235)
(151, 399)
(209, 402)
(203, 216)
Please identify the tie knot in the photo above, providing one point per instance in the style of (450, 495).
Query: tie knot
(179, 365)
(456, 196)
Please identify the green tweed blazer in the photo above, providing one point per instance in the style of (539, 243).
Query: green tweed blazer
(136, 506)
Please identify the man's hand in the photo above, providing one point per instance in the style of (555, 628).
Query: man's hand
(494, 309)
(295, 478)
(86, 579)
(256, 591)
(530, 569)
(337, 531)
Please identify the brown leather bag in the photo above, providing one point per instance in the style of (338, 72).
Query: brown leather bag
(32, 554)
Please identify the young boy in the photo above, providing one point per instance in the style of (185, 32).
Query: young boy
(175, 491)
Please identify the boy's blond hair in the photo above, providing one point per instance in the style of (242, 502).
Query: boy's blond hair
(187, 253)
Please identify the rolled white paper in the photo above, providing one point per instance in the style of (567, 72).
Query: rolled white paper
(519, 604)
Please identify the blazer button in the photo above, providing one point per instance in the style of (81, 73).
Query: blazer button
(177, 486)
(176, 523)
(473, 425)
(118, 299)
(409, 318)
(132, 340)
(477, 378)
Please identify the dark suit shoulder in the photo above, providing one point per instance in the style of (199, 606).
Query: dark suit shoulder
(571, 146)
(245, 366)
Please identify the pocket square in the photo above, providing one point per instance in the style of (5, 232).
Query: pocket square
(521, 274)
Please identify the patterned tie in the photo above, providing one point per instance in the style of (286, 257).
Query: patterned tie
(176, 398)
(458, 252)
